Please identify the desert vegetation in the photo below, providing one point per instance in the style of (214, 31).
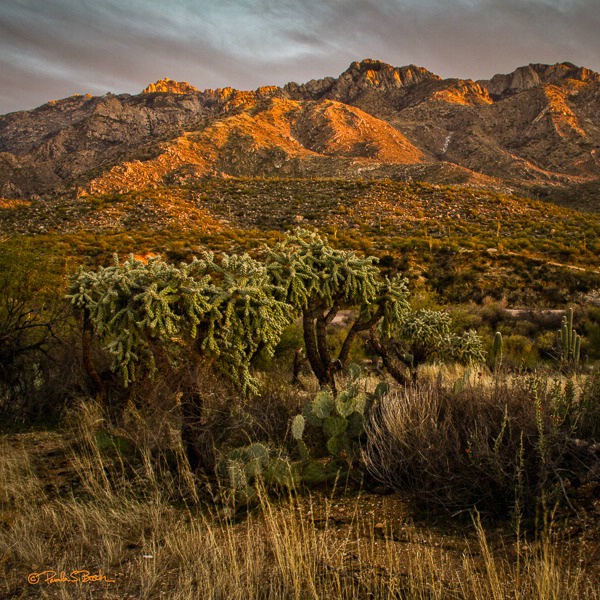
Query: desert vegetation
(292, 413)
(465, 244)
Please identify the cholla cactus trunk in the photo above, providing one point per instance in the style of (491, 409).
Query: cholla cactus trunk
(191, 411)
(319, 364)
(88, 363)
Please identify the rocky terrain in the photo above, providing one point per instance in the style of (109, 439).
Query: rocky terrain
(536, 130)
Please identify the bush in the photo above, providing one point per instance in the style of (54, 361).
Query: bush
(32, 326)
(498, 447)
(520, 351)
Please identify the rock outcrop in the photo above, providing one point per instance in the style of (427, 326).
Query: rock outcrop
(366, 76)
(525, 78)
(168, 86)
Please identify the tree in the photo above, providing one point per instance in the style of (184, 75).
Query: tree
(31, 318)
(222, 312)
(421, 336)
(318, 281)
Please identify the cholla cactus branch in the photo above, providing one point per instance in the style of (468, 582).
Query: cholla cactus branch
(224, 309)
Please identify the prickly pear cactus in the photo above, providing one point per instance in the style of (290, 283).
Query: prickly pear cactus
(282, 473)
(323, 404)
(241, 468)
(340, 419)
(298, 425)
(461, 382)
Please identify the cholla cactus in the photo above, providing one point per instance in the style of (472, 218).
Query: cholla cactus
(133, 304)
(227, 310)
(224, 309)
(318, 281)
(245, 315)
(424, 335)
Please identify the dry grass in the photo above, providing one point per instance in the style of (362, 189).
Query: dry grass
(298, 546)
(502, 444)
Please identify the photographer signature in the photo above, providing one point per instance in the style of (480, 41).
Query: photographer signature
(80, 576)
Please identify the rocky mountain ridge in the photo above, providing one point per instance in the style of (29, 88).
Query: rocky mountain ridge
(532, 75)
(535, 129)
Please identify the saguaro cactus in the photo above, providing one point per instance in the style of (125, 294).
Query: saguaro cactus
(497, 351)
(569, 341)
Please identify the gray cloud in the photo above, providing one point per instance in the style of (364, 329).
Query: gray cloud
(53, 48)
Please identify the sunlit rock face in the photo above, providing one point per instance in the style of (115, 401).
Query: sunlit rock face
(525, 78)
(365, 76)
(168, 86)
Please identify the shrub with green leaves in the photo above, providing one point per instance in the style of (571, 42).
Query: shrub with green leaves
(32, 325)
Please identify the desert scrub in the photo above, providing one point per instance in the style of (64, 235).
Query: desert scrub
(501, 448)
(327, 434)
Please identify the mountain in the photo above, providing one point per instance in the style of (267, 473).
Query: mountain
(536, 130)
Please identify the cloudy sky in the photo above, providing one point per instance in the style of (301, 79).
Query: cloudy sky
(50, 49)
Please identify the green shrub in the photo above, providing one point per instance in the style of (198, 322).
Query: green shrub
(33, 325)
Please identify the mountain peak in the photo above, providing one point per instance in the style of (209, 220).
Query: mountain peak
(369, 64)
(541, 130)
(380, 74)
(534, 74)
(169, 86)
(359, 77)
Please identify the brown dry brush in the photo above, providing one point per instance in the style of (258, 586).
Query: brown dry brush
(499, 448)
